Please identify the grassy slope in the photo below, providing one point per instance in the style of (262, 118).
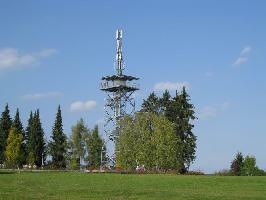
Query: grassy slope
(56, 185)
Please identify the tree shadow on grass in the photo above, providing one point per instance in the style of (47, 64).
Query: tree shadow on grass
(4, 172)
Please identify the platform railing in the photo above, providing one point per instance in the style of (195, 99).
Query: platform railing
(108, 85)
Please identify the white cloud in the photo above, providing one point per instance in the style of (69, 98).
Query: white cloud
(211, 111)
(243, 58)
(170, 86)
(245, 51)
(79, 106)
(38, 96)
(240, 61)
(11, 57)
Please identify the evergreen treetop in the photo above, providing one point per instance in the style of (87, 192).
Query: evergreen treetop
(58, 144)
(5, 125)
(18, 124)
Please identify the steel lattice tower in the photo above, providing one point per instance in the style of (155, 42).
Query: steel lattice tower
(119, 89)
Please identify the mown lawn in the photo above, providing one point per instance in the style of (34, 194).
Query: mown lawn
(69, 185)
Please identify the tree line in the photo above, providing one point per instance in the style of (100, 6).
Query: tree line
(20, 147)
(160, 135)
(245, 166)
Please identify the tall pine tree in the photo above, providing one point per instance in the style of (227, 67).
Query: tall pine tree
(58, 144)
(29, 137)
(19, 128)
(5, 125)
(39, 143)
(35, 143)
(152, 104)
(182, 115)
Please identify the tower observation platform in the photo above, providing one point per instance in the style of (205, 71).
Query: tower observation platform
(119, 89)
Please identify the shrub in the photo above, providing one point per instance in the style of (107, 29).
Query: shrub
(224, 172)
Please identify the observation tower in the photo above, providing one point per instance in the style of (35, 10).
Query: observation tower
(119, 89)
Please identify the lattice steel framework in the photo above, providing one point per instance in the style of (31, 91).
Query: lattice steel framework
(119, 89)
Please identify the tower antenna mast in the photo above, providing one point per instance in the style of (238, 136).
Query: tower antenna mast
(119, 89)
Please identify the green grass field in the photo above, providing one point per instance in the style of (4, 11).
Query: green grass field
(69, 185)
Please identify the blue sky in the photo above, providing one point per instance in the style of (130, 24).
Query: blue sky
(55, 52)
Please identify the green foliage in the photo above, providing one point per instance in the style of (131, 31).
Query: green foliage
(5, 125)
(249, 167)
(245, 167)
(180, 112)
(35, 143)
(237, 164)
(58, 144)
(95, 149)
(152, 104)
(19, 127)
(30, 140)
(74, 163)
(147, 139)
(223, 172)
(14, 151)
(77, 143)
(31, 158)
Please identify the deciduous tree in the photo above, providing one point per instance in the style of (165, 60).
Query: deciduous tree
(77, 143)
(95, 149)
(14, 151)
(147, 139)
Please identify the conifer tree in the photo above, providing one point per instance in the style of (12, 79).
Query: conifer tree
(165, 103)
(39, 143)
(5, 125)
(58, 144)
(35, 144)
(17, 123)
(30, 138)
(19, 127)
(182, 115)
(237, 164)
(152, 104)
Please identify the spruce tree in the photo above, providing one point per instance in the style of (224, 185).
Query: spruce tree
(165, 103)
(19, 127)
(152, 104)
(5, 125)
(17, 123)
(39, 143)
(35, 144)
(237, 164)
(183, 114)
(30, 139)
(58, 144)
